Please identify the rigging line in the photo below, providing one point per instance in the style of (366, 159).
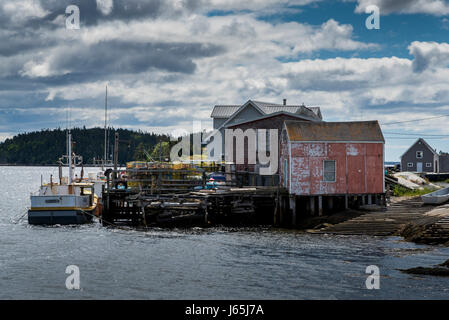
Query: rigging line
(417, 134)
(416, 120)
(414, 138)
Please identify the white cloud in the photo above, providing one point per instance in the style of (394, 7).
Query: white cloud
(253, 66)
(429, 55)
(260, 37)
(433, 7)
(254, 4)
(22, 10)
(105, 6)
(5, 135)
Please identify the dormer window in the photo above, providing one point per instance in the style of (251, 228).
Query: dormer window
(419, 154)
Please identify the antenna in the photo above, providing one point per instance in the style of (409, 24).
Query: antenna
(106, 126)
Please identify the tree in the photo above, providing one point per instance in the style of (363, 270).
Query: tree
(156, 154)
(46, 146)
(142, 152)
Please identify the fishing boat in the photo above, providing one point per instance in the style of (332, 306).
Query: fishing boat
(436, 197)
(71, 201)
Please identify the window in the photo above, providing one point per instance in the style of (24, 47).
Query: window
(330, 170)
(410, 164)
(428, 164)
(419, 154)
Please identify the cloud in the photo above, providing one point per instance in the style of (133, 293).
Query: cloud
(22, 10)
(445, 24)
(105, 6)
(236, 5)
(117, 58)
(429, 55)
(167, 62)
(433, 7)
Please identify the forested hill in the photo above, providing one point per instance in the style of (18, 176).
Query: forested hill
(46, 146)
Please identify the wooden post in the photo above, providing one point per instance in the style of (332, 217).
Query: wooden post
(346, 202)
(320, 205)
(312, 205)
(370, 199)
(276, 209)
(293, 208)
(282, 211)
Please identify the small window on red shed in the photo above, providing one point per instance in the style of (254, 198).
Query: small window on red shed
(330, 170)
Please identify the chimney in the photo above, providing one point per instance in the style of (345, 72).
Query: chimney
(285, 102)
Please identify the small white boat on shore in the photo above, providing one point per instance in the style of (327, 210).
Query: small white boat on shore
(436, 197)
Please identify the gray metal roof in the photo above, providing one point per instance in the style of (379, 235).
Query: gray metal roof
(299, 117)
(226, 111)
(317, 111)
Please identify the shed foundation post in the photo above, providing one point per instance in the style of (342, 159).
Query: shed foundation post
(320, 205)
(312, 205)
(293, 209)
(282, 212)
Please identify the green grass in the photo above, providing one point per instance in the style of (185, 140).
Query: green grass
(399, 191)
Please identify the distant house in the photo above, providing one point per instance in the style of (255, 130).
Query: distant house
(421, 157)
(332, 158)
(444, 162)
(258, 115)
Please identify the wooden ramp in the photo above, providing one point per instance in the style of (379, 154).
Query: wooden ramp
(439, 230)
(385, 223)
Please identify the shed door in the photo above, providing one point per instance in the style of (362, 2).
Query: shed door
(419, 167)
(356, 174)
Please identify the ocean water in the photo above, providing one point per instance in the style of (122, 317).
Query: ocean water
(211, 263)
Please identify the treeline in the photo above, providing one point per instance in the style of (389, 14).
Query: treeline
(45, 147)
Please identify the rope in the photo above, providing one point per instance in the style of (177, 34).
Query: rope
(107, 222)
(20, 218)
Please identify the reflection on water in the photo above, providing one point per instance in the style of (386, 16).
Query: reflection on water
(213, 263)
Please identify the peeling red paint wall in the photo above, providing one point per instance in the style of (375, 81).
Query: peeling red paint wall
(359, 167)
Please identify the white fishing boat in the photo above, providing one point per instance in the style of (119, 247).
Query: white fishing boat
(436, 197)
(71, 201)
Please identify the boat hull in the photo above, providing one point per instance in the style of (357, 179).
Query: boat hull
(436, 197)
(63, 217)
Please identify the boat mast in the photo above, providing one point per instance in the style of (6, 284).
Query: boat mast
(69, 150)
(105, 125)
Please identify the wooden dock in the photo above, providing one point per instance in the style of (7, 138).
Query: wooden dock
(393, 220)
(234, 206)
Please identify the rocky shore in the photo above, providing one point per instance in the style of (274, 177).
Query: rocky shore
(441, 270)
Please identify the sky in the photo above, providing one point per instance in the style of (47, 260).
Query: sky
(168, 62)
